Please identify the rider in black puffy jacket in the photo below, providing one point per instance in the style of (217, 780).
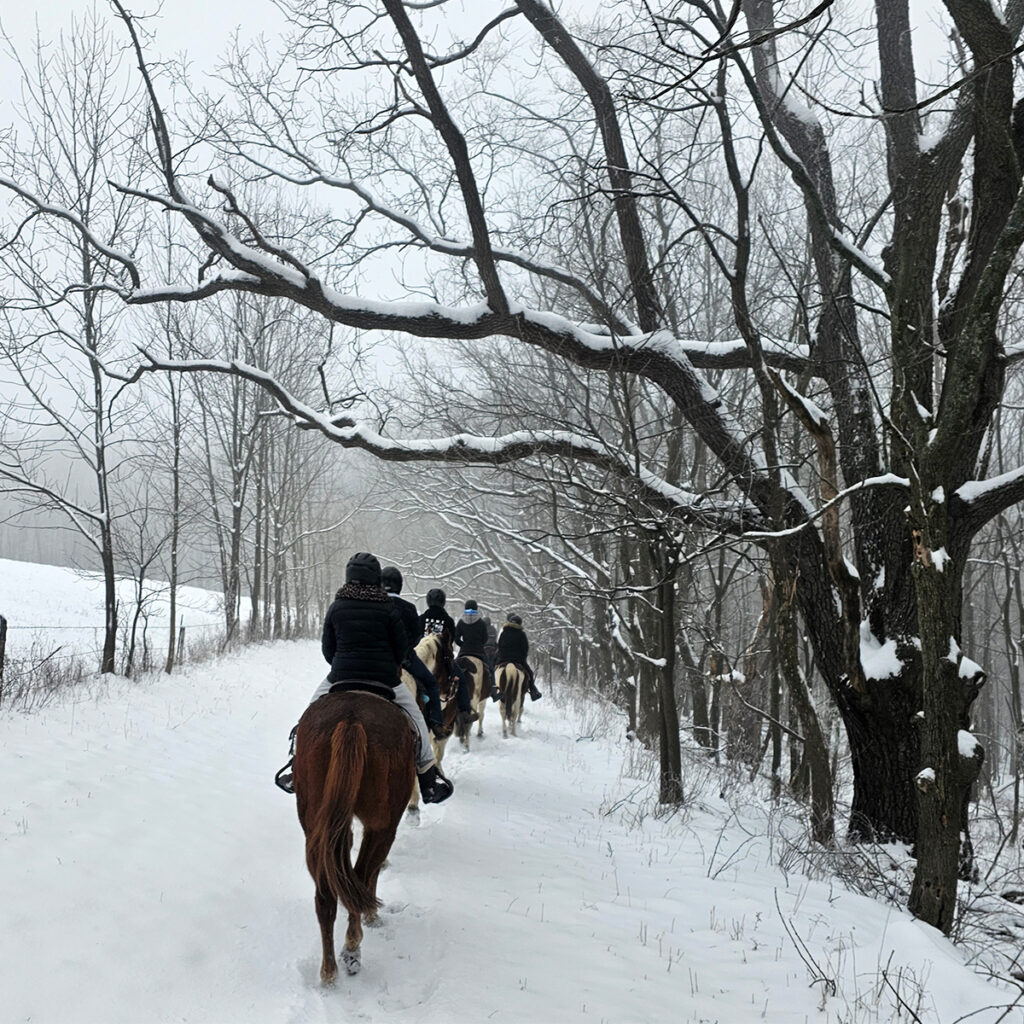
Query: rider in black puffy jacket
(472, 637)
(364, 640)
(391, 580)
(514, 647)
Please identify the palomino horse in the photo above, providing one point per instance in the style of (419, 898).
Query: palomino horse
(354, 757)
(479, 694)
(432, 653)
(511, 682)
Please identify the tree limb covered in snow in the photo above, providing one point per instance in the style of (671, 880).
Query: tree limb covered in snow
(469, 449)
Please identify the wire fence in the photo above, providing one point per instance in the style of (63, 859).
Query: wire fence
(55, 642)
(39, 660)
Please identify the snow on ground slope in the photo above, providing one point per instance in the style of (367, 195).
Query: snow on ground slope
(151, 872)
(49, 607)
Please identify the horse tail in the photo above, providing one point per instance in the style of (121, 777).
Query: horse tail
(330, 839)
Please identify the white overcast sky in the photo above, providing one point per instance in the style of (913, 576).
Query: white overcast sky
(203, 28)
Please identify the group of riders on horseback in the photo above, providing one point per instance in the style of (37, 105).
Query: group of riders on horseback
(370, 635)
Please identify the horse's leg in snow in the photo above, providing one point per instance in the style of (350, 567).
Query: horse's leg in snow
(373, 852)
(326, 911)
(353, 939)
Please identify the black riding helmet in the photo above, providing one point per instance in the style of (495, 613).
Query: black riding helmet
(436, 598)
(512, 617)
(363, 568)
(391, 579)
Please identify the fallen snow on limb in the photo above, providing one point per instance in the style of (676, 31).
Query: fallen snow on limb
(976, 490)
(967, 744)
(878, 660)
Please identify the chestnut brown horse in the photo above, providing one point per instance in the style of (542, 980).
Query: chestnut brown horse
(511, 680)
(354, 758)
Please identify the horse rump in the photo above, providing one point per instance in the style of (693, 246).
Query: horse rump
(329, 825)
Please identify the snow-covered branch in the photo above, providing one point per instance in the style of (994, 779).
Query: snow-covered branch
(470, 449)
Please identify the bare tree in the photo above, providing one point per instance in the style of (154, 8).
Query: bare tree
(880, 589)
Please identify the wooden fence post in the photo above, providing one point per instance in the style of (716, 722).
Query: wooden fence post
(181, 645)
(3, 647)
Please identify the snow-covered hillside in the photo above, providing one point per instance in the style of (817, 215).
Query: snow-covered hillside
(151, 872)
(52, 609)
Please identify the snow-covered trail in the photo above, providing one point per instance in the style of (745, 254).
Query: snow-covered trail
(151, 872)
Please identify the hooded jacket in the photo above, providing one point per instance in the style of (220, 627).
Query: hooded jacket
(436, 620)
(512, 644)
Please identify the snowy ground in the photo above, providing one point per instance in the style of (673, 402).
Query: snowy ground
(151, 872)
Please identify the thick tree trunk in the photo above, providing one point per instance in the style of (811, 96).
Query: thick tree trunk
(884, 749)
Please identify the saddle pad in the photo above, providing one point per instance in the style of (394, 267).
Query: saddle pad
(364, 686)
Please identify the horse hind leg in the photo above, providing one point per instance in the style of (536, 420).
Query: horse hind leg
(351, 956)
(326, 912)
(373, 855)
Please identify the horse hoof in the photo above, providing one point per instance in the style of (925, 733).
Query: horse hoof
(372, 922)
(350, 957)
(328, 974)
(412, 815)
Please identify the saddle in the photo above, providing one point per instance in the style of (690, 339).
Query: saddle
(364, 686)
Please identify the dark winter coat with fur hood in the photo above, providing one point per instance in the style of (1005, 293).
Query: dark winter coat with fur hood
(363, 636)
(512, 644)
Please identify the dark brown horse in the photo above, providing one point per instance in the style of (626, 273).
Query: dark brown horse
(354, 758)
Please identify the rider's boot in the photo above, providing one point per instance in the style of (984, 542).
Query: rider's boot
(434, 787)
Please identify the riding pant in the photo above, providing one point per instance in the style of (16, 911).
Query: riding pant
(415, 667)
(405, 700)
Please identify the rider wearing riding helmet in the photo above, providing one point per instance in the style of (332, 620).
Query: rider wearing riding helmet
(391, 580)
(471, 636)
(436, 620)
(514, 647)
(364, 639)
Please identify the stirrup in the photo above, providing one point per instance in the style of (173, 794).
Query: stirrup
(434, 787)
(284, 779)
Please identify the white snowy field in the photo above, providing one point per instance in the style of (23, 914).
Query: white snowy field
(52, 609)
(151, 872)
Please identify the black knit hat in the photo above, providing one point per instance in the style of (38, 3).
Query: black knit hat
(436, 598)
(471, 605)
(363, 568)
(512, 617)
(391, 579)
